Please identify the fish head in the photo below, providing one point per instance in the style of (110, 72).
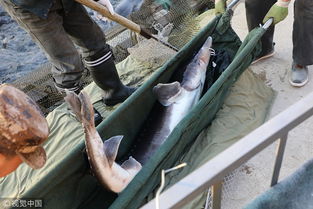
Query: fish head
(194, 76)
(204, 54)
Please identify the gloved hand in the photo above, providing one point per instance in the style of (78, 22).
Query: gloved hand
(109, 6)
(220, 6)
(278, 11)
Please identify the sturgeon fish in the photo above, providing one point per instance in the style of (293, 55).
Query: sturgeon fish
(101, 155)
(177, 99)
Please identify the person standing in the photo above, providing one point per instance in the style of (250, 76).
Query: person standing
(57, 26)
(258, 11)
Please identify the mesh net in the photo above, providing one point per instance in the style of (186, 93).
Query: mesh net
(172, 21)
(38, 84)
(228, 186)
(169, 20)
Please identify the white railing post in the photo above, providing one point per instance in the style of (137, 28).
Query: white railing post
(279, 158)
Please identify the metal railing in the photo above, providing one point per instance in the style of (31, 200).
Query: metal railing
(216, 169)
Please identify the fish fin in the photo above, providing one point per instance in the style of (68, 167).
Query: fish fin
(74, 103)
(87, 111)
(132, 166)
(167, 93)
(110, 147)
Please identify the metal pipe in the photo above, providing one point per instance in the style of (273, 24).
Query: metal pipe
(232, 4)
(268, 23)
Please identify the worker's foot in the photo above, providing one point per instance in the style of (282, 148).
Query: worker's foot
(119, 95)
(264, 55)
(298, 75)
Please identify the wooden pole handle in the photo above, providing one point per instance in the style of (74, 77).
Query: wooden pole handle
(121, 20)
(116, 17)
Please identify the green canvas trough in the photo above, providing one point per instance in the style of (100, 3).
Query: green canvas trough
(71, 184)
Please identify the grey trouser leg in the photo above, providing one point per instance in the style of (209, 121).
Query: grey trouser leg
(255, 13)
(303, 32)
(56, 34)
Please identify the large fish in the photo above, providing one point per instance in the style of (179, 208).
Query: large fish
(101, 155)
(177, 99)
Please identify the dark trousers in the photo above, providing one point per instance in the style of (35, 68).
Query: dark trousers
(255, 12)
(57, 36)
(302, 33)
(302, 36)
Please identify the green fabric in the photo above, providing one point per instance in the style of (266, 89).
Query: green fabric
(277, 12)
(65, 181)
(200, 116)
(294, 192)
(244, 109)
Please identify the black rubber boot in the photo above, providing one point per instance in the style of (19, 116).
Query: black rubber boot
(104, 74)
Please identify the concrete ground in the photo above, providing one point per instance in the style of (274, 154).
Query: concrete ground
(254, 177)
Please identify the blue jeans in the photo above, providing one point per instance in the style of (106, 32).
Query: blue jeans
(57, 36)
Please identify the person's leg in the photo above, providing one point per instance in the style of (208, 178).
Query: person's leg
(50, 36)
(98, 57)
(302, 42)
(255, 12)
(302, 32)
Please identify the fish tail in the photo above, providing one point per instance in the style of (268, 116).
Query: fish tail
(87, 111)
(81, 107)
(74, 103)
